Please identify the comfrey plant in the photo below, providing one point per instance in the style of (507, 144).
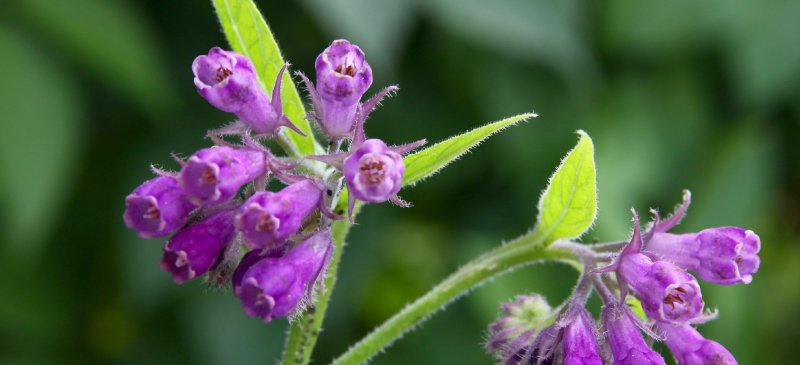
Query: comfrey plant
(279, 250)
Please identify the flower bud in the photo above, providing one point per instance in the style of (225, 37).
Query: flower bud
(374, 173)
(343, 76)
(276, 286)
(194, 250)
(157, 208)
(690, 348)
(724, 255)
(580, 340)
(624, 339)
(214, 175)
(524, 313)
(267, 219)
(668, 293)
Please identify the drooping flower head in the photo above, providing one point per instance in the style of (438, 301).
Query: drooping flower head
(668, 293)
(690, 347)
(524, 313)
(580, 340)
(228, 81)
(267, 219)
(624, 339)
(275, 286)
(214, 175)
(343, 76)
(374, 173)
(195, 249)
(157, 208)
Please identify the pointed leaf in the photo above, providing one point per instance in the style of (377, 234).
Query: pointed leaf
(248, 34)
(427, 162)
(568, 206)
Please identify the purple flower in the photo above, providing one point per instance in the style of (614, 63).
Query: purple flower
(268, 219)
(580, 340)
(374, 173)
(251, 258)
(343, 76)
(157, 208)
(276, 286)
(725, 255)
(228, 81)
(194, 250)
(624, 339)
(668, 293)
(214, 175)
(690, 348)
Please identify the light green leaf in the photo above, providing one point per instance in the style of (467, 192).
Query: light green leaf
(427, 162)
(248, 34)
(568, 206)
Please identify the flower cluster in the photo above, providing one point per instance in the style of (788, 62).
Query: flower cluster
(653, 268)
(218, 206)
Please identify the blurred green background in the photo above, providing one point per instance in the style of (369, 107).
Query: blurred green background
(676, 95)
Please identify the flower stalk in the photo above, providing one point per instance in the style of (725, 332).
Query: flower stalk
(524, 251)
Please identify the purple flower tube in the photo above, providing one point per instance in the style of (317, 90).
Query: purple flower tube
(580, 340)
(374, 173)
(157, 208)
(668, 293)
(267, 219)
(690, 347)
(228, 81)
(194, 250)
(343, 76)
(214, 175)
(724, 255)
(624, 339)
(274, 287)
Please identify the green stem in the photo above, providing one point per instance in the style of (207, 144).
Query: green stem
(523, 251)
(305, 329)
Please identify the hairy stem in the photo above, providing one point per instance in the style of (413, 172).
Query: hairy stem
(305, 329)
(523, 251)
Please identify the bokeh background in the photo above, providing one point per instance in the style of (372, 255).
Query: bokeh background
(679, 94)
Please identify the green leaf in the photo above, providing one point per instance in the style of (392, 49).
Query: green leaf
(427, 162)
(248, 34)
(568, 206)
